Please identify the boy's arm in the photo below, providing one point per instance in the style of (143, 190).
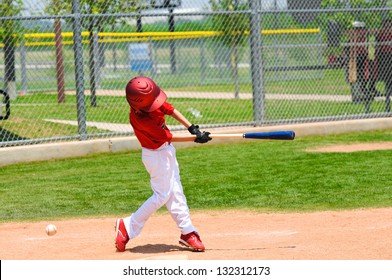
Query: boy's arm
(183, 138)
(184, 121)
(181, 118)
(193, 129)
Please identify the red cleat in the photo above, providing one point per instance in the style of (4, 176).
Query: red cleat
(192, 240)
(122, 237)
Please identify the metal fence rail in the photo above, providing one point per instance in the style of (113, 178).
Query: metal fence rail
(249, 64)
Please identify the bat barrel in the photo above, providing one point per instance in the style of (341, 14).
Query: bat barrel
(276, 135)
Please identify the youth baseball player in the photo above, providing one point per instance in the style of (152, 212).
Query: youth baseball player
(147, 117)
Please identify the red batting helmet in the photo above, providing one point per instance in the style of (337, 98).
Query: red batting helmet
(144, 94)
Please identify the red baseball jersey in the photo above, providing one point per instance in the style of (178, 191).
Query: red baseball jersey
(150, 128)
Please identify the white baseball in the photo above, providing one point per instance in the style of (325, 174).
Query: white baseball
(51, 230)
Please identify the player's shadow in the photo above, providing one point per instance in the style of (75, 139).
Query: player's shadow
(252, 249)
(164, 248)
(157, 248)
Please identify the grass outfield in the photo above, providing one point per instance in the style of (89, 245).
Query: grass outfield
(261, 175)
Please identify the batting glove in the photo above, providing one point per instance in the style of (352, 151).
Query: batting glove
(203, 137)
(194, 130)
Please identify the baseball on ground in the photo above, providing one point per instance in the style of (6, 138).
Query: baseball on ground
(51, 230)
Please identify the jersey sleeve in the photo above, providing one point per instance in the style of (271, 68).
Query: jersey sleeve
(167, 108)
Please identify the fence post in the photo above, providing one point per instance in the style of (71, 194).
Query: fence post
(93, 64)
(320, 54)
(202, 60)
(172, 43)
(256, 62)
(59, 60)
(79, 74)
(23, 67)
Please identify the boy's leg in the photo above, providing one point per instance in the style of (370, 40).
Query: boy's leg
(157, 165)
(177, 203)
(179, 210)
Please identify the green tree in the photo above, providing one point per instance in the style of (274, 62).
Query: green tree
(94, 25)
(233, 26)
(345, 19)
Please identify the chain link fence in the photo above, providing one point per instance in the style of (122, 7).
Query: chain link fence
(64, 64)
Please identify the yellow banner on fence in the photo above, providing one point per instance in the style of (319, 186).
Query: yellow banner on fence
(116, 37)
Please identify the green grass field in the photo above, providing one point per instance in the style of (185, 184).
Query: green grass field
(266, 176)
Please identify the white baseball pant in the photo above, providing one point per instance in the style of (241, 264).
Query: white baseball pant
(164, 172)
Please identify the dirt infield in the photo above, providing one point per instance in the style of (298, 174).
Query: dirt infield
(230, 235)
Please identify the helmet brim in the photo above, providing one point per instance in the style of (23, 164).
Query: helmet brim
(158, 102)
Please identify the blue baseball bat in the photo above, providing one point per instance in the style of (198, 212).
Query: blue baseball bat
(273, 135)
